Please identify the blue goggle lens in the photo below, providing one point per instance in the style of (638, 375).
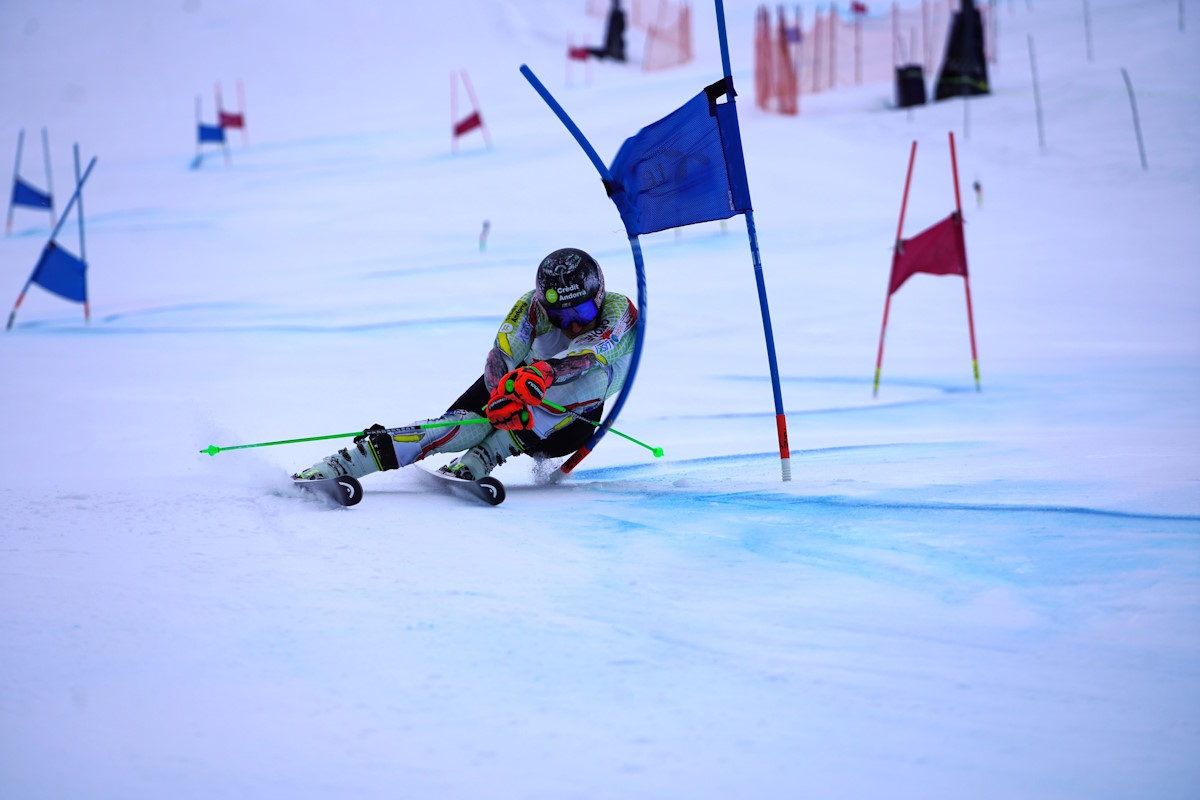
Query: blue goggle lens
(583, 313)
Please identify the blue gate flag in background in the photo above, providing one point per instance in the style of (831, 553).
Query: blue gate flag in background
(211, 133)
(60, 272)
(25, 195)
(683, 169)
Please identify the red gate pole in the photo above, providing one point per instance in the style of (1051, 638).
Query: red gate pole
(799, 60)
(912, 156)
(834, 22)
(857, 49)
(475, 105)
(453, 114)
(242, 110)
(966, 280)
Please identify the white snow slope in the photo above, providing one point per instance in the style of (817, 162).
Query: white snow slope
(989, 594)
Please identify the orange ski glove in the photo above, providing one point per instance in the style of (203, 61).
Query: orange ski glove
(506, 411)
(528, 384)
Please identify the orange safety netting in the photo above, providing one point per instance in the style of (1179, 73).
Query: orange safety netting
(841, 51)
(669, 38)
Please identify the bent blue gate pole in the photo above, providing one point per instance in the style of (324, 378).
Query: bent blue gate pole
(638, 265)
(780, 419)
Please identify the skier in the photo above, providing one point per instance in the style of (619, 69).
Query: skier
(567, 342)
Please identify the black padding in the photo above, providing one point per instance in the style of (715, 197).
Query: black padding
(474, 399)
(562, 442)
(380, 441)
(385, 451)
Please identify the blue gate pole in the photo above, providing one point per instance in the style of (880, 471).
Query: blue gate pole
(16, 177)
(638, 266)
(49, 185)
(785, 463)
(87, 312)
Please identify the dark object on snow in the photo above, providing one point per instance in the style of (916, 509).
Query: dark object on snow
(910, 85)
(614, 36)
(964, 69)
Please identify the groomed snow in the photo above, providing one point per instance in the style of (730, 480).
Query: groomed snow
(989, 594)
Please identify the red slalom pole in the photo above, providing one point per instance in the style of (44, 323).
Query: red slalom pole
(954, 168)
(453, 114)
(242, 111)
(475, 105)
(966, 280)
(912, 157)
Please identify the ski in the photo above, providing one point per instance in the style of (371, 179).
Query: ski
(487, 488)
(344, 490)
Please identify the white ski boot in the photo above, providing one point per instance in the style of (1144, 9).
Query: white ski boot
(480, 460)
(357, 460)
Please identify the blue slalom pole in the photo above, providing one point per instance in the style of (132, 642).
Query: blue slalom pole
(49, 183)
(74, 197)
(79, 182)
(638, 266)
(724, 43)
(87, 311)
(16, 177)
(780, 418)
(600, 166)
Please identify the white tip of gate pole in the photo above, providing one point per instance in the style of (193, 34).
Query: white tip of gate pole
(785, 464)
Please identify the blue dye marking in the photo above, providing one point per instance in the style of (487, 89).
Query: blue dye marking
(60, 327)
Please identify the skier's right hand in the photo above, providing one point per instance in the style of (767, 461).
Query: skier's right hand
(506, 411)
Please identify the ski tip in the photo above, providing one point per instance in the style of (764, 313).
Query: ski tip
(344, 490)
(352, 490)
(493, 490)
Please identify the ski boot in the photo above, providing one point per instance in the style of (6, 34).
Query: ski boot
(480, 460)
(372, 451)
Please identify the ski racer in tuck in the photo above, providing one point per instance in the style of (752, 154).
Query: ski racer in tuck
(567, 342)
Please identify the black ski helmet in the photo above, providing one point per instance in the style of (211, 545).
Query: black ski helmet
(567, 280)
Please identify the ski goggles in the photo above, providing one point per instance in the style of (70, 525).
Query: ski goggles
(583, 313)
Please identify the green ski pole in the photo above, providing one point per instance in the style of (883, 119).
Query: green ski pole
(657, 451)
(212, 449)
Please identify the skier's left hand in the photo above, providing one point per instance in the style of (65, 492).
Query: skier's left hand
(528, 384)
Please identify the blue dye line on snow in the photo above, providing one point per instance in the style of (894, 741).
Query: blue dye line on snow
(79, 329)
(780, 499)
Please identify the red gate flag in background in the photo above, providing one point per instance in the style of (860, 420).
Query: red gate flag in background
(940, 250)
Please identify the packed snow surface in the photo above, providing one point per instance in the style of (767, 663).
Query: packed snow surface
(961, 593)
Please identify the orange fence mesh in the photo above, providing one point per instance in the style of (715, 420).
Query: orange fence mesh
(859, 48)
(669, 39)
